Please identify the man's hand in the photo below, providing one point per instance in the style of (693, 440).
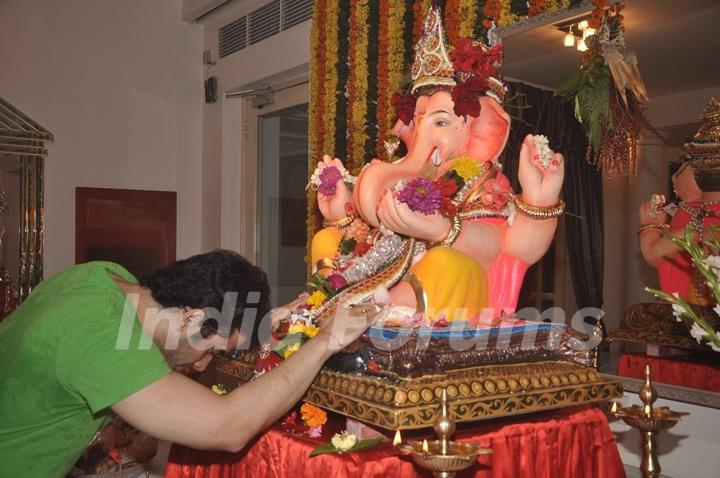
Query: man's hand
(348, 324)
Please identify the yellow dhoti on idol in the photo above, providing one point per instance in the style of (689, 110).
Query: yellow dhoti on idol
(454, 284)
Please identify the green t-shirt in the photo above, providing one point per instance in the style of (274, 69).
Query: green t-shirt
(67, 355)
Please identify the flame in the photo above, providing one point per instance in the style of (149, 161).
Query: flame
(614, 408)
(398, 439)
(425, 447)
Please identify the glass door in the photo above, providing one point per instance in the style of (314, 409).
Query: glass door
(280, 133)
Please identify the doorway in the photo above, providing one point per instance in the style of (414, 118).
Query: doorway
(277, 134)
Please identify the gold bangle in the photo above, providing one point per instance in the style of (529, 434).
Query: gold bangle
(452, 235)
(325, 263)
(338, 223)
(539, 212)
(653, 227)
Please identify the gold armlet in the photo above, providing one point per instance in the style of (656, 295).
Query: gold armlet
(654, 227)
(539, 212)
(452, 235)
(325, 263)
(339, 223)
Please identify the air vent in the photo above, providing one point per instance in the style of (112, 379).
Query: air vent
(233, 37)
(265, 22)
(295, 12)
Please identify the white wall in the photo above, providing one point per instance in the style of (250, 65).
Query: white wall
(280, 59)
(687, 450)
(119, 84)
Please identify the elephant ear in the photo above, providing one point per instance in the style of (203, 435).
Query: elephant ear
(405, 132)
(489, 131)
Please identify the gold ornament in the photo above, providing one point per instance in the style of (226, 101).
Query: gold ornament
(539, 212)
(704, 149)
(432, 66)
(340, 223)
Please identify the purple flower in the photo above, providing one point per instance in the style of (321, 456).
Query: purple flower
(329, 177)
(314, 432)
(421, 195)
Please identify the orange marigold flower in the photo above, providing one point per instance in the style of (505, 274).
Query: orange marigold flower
(312, 415)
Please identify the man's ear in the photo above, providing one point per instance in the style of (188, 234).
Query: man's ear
(191, 318)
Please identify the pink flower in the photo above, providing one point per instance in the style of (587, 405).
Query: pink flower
(496, 191)
(314, 432)
(336, 281)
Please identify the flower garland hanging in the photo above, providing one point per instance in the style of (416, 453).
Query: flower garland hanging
(608, 94)
(315, 110)
(468, 11)
(360, 87)
(383, 76)
(331, 79)
(395, 56)
(451, 16)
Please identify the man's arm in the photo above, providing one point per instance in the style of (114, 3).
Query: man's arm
(177, 409)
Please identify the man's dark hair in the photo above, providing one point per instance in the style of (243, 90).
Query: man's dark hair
(201, 282)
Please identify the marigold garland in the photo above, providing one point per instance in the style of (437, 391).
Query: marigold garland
(359, 103)
(468, 11)
(395, 56)
(373, 22)
(315, 119)
(383, 73)
(331, 61)
(452, 18)
(507, 17)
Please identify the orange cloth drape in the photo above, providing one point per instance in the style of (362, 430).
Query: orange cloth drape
(573, 443)
(672, 371)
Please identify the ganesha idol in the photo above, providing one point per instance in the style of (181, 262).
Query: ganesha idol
(439, 228)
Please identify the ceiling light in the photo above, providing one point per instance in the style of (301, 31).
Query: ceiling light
(569, 40)
(587, 32)
(583, 25)
(581, 46)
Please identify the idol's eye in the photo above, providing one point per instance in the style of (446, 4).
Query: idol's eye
(441, 123)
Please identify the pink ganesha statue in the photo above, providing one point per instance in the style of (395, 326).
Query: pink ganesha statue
(440, 228)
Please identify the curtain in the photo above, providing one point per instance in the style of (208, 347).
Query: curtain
(539, 111)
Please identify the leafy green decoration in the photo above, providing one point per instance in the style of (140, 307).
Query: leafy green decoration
(347, 246)
(359, 446)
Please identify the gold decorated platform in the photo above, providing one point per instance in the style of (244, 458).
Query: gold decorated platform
(654, 323)
(476, 393)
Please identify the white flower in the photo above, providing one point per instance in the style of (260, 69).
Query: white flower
(712, 344)
(510, 212)
(712, 262)
(697, 332)
(343, 441)
(678, 310)
(543, 149)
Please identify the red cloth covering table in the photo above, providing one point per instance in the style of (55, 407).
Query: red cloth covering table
(572, 443)
(673, 371)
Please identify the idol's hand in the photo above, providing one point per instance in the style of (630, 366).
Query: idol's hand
(332, 207)
(398, 217)
(541, 184)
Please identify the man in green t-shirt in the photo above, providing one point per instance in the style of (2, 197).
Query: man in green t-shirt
(92, 341)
